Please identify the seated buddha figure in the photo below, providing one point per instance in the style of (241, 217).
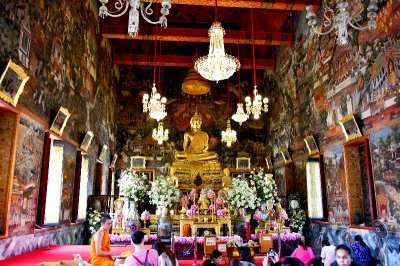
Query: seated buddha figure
(195, 144)
(203, 201)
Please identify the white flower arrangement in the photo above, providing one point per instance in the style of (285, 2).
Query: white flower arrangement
(297, 219)
(241, 195)
(163, 193)
(133, 186)
(265, 188)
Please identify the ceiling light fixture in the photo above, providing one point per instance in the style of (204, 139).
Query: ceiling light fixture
(160, 134)
(258, 103)
(216, 65)
(229, 135)
(156, 105)
(121, 6)
(341, 19)
(240, 116)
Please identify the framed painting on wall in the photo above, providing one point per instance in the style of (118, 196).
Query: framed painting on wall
(114, 160)
(86, 141)
(103, 153)
(150, 173)
(138, 162)
(350, 127)
(242, 163)
(12, 83)
(60, 121)
(268, 161)
(311, 145)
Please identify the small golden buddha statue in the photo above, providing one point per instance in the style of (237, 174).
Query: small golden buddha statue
(195, 143)
(174, 179)
(203, 201)
(226, 183)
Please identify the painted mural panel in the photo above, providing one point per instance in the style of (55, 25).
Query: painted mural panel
(280, 181)
(7, 125)
(335, 179)
(385, 150)
(69, 164)
(27, 172)
(300, 180)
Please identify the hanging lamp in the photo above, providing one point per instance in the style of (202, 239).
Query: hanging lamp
(229, 135)
(240, 116)
(257, 104)
(155, 105)
(216, 65)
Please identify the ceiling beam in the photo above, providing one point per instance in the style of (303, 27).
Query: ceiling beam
(197, 35)
(182, 61)
(260, 4)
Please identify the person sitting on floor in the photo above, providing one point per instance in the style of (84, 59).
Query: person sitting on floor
(141, 256)
(245, 256)
(165, 255)
(215, 258)
(100, 246)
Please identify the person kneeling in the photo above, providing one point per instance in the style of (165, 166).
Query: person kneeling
(100, 246)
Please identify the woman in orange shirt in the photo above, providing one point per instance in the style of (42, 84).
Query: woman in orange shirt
(100, 254)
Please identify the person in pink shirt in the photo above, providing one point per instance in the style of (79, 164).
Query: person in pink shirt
(141, 256)
(303, 253)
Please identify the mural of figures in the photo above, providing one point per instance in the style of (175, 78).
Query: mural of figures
(69, 164)
(335, 180)
(280, 181)
(300, 180)
(385, 151)
(27, 172)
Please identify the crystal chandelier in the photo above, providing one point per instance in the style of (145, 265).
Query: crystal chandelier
(240, 116)
(341, 19)
(160, 134)
(216, 65)
(258, 103)
(228, 135)
(121, 6)
(156, 105)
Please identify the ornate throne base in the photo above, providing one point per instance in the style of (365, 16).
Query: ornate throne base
(188, 172)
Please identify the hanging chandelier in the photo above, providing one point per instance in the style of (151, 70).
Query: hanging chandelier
(216, 65)
(240, 116)
(257, 104)
(154, 104)
(160, 134)
(341, 19)
(121, 6)
(229, 135)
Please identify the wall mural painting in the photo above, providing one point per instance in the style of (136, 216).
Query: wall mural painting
(69, 165)
(300, 179)
(27, 172)
(385, 151)
(280, 181)
(335, 179)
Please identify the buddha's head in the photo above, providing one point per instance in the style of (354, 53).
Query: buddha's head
(195, 121)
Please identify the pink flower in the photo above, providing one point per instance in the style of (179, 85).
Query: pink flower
(283, 215)
(257, 215)
(145, 216)
(210, 194)
(211, 207)
(193, 194)
(219, 201)
(272, 225)
(221, 212)
(119, 217)
(184, 201)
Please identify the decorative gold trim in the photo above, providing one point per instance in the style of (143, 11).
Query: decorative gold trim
(286, 156)
(22, 76)
(240, 161)
(349, 127)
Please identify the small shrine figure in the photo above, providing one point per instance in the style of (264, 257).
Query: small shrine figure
(203, 201)
(118, 215)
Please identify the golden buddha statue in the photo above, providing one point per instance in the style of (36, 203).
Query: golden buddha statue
(195, 143)
(203, 201)
(226, 183)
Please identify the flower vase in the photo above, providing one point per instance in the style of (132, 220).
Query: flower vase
(164, 224)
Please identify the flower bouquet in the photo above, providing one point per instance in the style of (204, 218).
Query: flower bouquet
(241, 195)
(219, 201)
(133, 186)
(297, 219)
(163, 193)
(94, 217)
(194, 209)
(265, 187)
(145, 216)
(193, 194)
(210, 194)
(222, 212)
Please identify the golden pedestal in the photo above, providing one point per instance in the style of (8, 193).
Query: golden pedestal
(210, 173)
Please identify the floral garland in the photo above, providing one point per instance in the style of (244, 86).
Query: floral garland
(133, 186)
(163, 193)
(241, 195)
(297, 219)
(265, 187)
